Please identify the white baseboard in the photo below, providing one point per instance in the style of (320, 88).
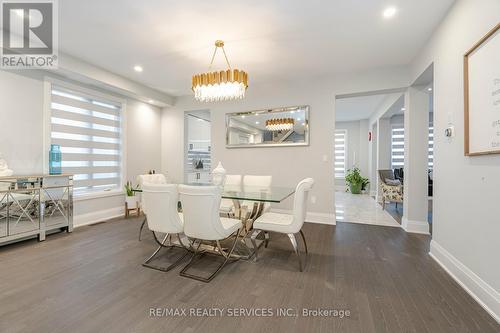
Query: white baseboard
(321, 218)
(98, 216)
(417, 227)
(107, 214)
(482, 292)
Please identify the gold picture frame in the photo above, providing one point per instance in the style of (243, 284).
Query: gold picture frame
(467, 110)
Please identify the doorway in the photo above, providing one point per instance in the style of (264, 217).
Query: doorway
(197, 146)
(362, 146)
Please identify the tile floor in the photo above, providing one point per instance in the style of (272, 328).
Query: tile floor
(361, 208)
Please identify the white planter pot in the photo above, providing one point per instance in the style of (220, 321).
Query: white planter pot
(131, 202)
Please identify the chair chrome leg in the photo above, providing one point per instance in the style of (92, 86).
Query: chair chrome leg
(226, 256)
(220, 249)
(142, 227)
(162, 243)
(295, 249)
(163, 269)
(304, 239)
(158, 249)
(266, 239)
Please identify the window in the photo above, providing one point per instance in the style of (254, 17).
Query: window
(88, 129)
(340, 153)
(397, 147)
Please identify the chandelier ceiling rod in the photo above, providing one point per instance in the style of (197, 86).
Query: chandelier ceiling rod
(219, 43)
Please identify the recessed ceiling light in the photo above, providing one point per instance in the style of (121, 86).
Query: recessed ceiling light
(429, 89)
(256, 123)
(298, 119)
(199, 119)
(138, 68)
(389, 12)
(151, 101)
(242, 116)
(403, 109)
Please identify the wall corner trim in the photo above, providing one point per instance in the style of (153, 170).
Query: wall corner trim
(478, 289)
(416, 227)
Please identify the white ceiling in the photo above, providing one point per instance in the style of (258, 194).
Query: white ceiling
(357, 108)
(271, 40)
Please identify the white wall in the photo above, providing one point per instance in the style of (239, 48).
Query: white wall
(287, 165)
(397, 119)
(362, 160)
(21, 105)
(143, 139)
(384, 144)
(466, 222)
(372, 160)
(21, 140)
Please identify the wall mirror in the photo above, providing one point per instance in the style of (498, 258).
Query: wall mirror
(288, 126)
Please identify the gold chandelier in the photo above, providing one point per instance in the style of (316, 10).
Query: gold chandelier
(220, 86)
(281, 124)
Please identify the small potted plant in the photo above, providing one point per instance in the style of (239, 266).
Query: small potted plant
(130, 198)
(356, 182)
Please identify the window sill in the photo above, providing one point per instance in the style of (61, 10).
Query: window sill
(96, 195)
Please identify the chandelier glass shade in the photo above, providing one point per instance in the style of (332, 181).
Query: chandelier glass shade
(220, 85)
(281, 124)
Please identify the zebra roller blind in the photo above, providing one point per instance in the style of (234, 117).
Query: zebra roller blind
(398, 147)
(88, 129)
(340, 153)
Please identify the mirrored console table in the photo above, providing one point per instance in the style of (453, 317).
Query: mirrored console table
(33, 206)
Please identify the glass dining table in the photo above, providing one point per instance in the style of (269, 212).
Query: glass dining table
(249, 203)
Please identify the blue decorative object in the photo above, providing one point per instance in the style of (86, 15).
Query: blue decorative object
(55, 157)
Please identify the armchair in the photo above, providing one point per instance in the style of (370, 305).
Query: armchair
(391, 188)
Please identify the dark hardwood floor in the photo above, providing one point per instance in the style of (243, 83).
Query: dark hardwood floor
(395, 212)
(93, 281)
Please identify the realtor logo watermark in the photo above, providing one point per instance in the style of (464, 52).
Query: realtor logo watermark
(29, 37)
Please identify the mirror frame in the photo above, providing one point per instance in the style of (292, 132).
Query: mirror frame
(266, 111)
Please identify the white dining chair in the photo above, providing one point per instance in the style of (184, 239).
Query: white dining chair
(256, 183)
(156, 178)
(163, 217)
(232, 183)
(289, 224)
(202, 223)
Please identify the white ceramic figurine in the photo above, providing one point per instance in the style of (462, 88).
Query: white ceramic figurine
(219, 175)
